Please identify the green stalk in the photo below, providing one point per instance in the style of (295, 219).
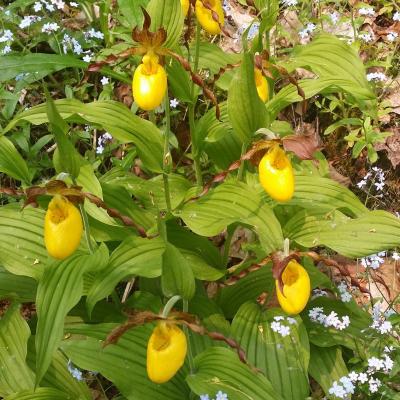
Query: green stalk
(186, 330)
(166, 157)
(86, 227)
(241, 168)
(170, 304)
(195, 152)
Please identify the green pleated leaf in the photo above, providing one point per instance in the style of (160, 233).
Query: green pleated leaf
(134, 256)
(247, 112)
(11, 162)
(131, 10)
(233, 202)
(22, 288)
(329, 57)
(177, 277)
(22, 250)
(167, 14)
(246, 289)
(220, 369)
(67, 158)
(59, 290)
(15, 375)
(284, 360)
(111, 116)
(313, 192)
(13, 65)
(124, 363)
(58, 376)
(326, 365)
(40, 394)
(372, 232)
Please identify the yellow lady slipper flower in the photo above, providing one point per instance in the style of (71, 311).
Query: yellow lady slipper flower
(261, 84)
(205, 18)
(296, 288)
(62, 228)
(185, 6)
(276, 174)
(166, 352)
(149, 83)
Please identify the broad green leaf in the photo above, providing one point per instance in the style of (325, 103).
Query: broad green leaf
(370, 233)
(134, 256)
(131, 10)
(220, 369)
(67, 158)
(284, 360)
(22, 288)
(124, 363)
(42, 393)
(247, 112)
(326, 365)
(22, 250)
(12, 163)
(179, 81)
(111, 116)
(58, 376)
(233, 202)
(15, 375)
(246, 289)
(13, 65)
(59, 291)
(313, 192)
(328, 57)
(167, 15)
(177, 276)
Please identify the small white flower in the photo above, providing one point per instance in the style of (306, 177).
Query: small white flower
(37, 6)
(392, 36)
(173, 103)
(284, 331)
(334, 17)
(99, 149)
(279, 318)
(388, 364)
(50, 27)
(374, 385)
(94, 34)
(353, 376)
(49, 7)
(366, 11)
(376, 76)
(87, 58)
(107, 136)
(379, 186)
(388, 349)
(362, 377)
(310, 27)
(363, 182)
(75, 372)
(386, 327)
(347, 384)
(318, 293)
(221, 396)
(375, 363)
(59, 4)
(396, 16)
(73, 4)
(104, 80)
(366, 37)
(28, 20)
(315, 312)
(338, 390)
(6, 50)
(288, 3)
(303, 34)
(291, 321)
(275, 326)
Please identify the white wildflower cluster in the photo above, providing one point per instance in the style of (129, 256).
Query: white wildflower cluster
(278, 327)
(50, 27)
(345, 295)
(102, 140)
(93, 34)
(75, 372)
(28, 20)
(380, 323)
(252, 32)
(318, 293)
(367, 11)
(288, 3)
(396, 16)
(376, 177)
(6, 37)
(347, 384)
(220, 396)
(366, 37)
(392, 36)
(373, 261)
(376, 77)
(331, 320)
(69, 42)
(307, 31)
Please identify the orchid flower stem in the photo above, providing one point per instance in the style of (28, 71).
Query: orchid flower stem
(195, 152)
(167, 158)
(170, 304)
(186, 330)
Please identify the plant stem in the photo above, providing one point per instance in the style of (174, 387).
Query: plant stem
(166, 157)
(190, 353)
(86, 227)
(227, 246)
(170, 303)
(195, 152)
(241, 168)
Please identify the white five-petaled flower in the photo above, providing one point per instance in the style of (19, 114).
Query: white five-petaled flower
(221, 396)
(6, 36)
(50, 27)
(104, 80)
(396, 16)
(334, 17)
(37, 6)
(6, 49)
(366, 11)
(173, 103)
(288, 3)
(392, 36)
(28, 20)
(366, 37)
